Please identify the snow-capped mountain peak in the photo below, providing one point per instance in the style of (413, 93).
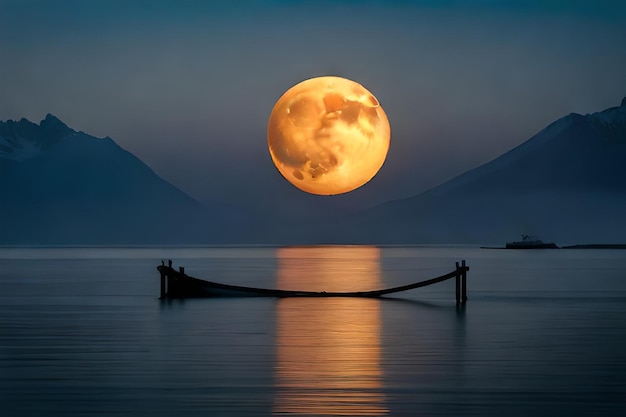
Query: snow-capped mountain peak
(23, 139)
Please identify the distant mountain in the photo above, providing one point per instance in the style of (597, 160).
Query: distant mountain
(60, 186)
(567, 183)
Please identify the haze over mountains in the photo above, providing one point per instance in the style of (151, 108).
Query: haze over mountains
(566, 184)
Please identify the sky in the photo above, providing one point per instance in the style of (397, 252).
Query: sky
(188, 86)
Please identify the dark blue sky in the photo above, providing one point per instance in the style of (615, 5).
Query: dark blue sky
(188, 86)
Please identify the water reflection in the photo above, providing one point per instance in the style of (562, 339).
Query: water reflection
(329, 349)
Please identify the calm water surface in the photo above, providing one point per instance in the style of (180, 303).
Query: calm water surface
(82, 332)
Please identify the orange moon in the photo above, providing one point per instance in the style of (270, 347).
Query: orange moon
(328, 135)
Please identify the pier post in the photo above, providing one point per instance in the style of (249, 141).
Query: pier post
(458, 283)
(464, 281)
(163, 278)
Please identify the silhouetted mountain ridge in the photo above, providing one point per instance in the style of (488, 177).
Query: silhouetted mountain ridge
(63, 186)
(568, 183)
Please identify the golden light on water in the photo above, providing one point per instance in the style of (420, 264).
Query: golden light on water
(329, 349)
(328, 135)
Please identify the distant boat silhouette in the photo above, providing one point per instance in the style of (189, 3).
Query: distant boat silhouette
(530, 242)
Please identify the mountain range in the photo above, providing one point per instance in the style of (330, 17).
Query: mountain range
(567, 184)
(60, 186)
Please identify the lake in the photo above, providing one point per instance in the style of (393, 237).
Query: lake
(83, 333)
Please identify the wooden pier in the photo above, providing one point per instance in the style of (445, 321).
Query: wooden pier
(177, 284)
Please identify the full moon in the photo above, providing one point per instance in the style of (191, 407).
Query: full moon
(328, 135)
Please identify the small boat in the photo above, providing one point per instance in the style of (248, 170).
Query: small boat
(177, 284)
(530, 242)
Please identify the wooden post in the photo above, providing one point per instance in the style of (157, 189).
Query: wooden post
(458, 283)
(169, 263)
(182, 270)
(464, 281)
(163, 277)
